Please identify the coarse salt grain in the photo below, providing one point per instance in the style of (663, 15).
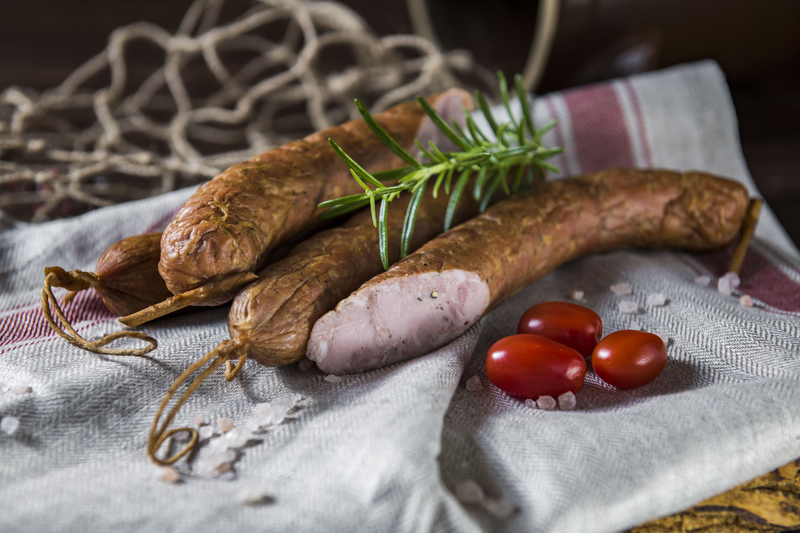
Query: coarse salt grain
(498, 508)
(577, 295)
(567, 401)
(546, 402)
(253, 496)
(635, 326)
(663, 338)
(225, 424)
(724, 286)
(531, 404)
(628, 306)
(19, 390)
(745, 300)
(655, 300)
(306, 364)
(9, 425)
(168, 474)
(332, 378)
(733, 279)
(198, 421)
(219, 445)
(237, 437)
(469, 492)
(621, 289)
(474, 384)
(205, 432)
(705, 281)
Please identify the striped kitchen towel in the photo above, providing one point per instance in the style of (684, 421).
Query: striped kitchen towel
(410, 447)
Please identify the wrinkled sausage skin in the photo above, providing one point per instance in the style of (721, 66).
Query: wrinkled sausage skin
(434, 295)
(128, 274)
(234, 221)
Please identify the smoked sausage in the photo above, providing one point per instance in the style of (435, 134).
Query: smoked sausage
(435, 294)
(233, 222)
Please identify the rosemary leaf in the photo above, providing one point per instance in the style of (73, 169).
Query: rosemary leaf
(385, 138)
(544, 129)
(455, 198)
(517, 183)
(487, 111)
(393, 174)
(488, 195)
(338, 210)
(442, 124)
(410, 221)
(355, 168)
(383, 235)
(522, 96)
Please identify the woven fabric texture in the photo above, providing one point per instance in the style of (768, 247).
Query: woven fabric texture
(392, 449)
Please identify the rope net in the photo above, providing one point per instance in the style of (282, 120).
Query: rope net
(220, 90)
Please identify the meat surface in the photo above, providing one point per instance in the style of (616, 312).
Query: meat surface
(271, 319)
(233, 222)
(435, 294)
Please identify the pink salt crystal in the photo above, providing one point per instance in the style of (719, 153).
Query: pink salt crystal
(724, 286)
(567, 401)
(331, 378)
(655, 300)
(703, 280)
(181, 436)
(225, 424)
(531, 404)
(621, 289)
(306, 364)
(9, 425)
(168, 474)
(498, 508)
(745, 300)
(546, 402)
(19, 390)
(469, 492)
(628, 306)
(577, 295)
(198, 421)
(474, 384)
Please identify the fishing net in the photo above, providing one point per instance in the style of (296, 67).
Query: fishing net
(224, 88)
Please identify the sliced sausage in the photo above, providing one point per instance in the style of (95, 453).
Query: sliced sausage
(271, 319)
(434, 295)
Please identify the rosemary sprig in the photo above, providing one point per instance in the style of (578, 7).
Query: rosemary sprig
(515, 154)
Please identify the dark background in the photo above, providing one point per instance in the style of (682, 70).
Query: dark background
(757, 44)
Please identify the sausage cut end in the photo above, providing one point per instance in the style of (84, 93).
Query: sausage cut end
(397, 320)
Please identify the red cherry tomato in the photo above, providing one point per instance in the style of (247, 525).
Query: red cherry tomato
(530, 366)
(628, 358)
(574, 325)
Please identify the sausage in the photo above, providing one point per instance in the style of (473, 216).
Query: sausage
(233, 222)
(271, 319)
(434, 295)
(126, 277)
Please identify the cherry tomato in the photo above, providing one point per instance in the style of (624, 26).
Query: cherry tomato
(530, 366)
(574, 325)
(628, 358)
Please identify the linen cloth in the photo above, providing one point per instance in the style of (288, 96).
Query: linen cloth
(387, 450)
